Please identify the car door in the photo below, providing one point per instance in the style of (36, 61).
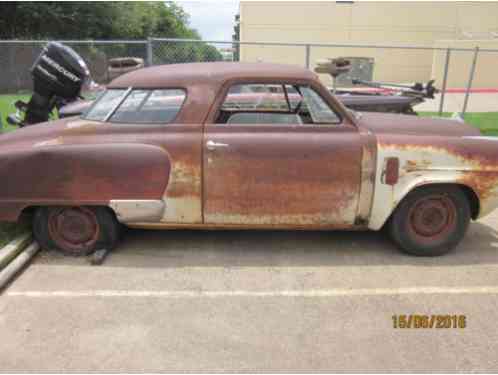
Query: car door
(281, 174)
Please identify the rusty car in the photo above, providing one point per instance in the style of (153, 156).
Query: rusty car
(184, 146)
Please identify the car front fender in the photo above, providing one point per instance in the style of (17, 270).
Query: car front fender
(428, 164)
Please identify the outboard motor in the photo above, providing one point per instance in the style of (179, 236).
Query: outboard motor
(59, 74)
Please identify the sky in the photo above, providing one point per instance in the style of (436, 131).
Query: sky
(213, 19)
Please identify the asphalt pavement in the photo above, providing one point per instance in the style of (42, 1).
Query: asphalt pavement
(254, 301)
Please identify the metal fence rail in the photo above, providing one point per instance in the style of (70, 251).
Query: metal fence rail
(17, 56)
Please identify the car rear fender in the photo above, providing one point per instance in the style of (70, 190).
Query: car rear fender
(81, 173)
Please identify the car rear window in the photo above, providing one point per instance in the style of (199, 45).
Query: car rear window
(137, 106)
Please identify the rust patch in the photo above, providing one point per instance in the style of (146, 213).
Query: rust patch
(483, 183)
(480, 154)
(81, 127)
(270, 176)
(475, 159)
(368, 173)
(85, 173)
(415, 165)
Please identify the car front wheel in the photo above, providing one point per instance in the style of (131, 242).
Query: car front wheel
(430, 221)
(76, 231)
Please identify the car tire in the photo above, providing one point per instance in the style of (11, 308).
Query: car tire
(76, 231)
(430, 221)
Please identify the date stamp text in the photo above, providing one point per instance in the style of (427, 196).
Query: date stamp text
(429, 321)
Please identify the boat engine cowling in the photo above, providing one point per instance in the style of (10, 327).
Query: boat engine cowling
(59, 74)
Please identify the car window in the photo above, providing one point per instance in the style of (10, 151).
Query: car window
(105, 104)
(139, 106)
(275, 104)
(147, 106)
(264, 118)
(255, 97)
(318, 109)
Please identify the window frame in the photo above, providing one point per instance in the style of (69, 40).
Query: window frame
(225, 89)
(339, 117)
(128, 91)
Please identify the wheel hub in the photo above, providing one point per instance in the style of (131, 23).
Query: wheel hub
(432, 216)
(73, 228)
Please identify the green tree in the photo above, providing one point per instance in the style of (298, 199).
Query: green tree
(101, 21)
(93, 20)
(236, 38)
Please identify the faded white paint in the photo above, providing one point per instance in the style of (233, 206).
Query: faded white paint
(183, 197)
(182, 210)
(128, 211)
(421, 166)
(49, 142)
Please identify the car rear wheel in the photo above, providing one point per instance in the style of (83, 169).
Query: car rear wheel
(430, 221)
(76, 231)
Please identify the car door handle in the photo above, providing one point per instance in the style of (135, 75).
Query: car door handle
(211, 145)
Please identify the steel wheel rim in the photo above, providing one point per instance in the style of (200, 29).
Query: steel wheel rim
(74, 229)
(432, 218)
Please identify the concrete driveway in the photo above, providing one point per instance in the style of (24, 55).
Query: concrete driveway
(254, 301)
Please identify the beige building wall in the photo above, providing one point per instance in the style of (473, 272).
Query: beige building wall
(386, 23)
(461, 62)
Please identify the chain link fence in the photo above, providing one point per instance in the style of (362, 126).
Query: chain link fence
(178, 51)
(17, 57)
(454, 68)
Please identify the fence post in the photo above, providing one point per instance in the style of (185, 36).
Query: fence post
(149, 52)
(469, 84)
(308, 47)
(445, 80)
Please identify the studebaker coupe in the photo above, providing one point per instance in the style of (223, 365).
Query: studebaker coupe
(222, 146)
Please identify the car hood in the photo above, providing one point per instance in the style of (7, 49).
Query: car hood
(386, 123)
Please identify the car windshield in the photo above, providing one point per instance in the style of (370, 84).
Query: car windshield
(139, 106)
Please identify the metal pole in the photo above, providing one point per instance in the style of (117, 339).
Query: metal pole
(308, 56)
(445, 80)
(17, 264)
(469, 84)
(149, 52)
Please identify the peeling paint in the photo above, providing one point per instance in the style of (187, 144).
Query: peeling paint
(436, 160)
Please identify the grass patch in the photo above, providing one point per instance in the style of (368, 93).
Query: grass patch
(9, 231)
(486, 122)
(7, 107)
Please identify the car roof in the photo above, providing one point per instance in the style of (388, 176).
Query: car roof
(211, 73)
